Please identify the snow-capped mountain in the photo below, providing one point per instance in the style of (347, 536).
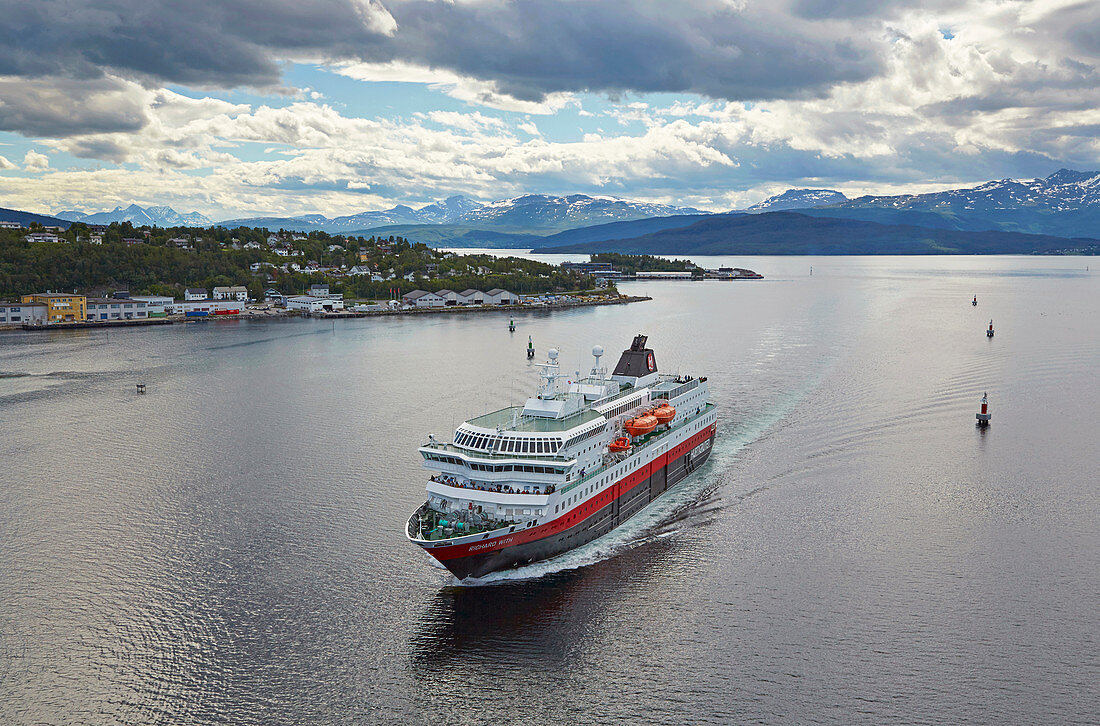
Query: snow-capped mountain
(1066, 204)
(540, 211)
(399, 214)
(799, 199)
(1064, 190)
(139, 216)
(448, 211)
(531, 211)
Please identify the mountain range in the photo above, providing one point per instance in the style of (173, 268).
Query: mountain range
(791, 233)
(529, 216)
(139, 216)
(1065, 204)
(531, 212)
(448, 211)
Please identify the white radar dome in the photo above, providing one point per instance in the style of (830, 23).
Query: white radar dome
(597, 350)
(552, 353)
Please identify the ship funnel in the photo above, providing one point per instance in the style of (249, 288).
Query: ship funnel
(638, 361)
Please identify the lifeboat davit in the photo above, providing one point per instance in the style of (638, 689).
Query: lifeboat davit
(664, 414)
(641, 425)
(620, 444)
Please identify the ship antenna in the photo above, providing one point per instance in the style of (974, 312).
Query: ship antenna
(597, 371)
(549, 375)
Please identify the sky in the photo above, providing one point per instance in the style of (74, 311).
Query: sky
(281, 107)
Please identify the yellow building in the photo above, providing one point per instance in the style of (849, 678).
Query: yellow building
(60, 308)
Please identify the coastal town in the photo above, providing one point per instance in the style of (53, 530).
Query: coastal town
(118, 274)
(70, 310)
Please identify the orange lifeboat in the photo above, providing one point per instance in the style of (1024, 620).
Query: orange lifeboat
(664, 414)
(620, 444)
(641, 425)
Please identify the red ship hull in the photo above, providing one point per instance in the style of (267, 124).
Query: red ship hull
(587, 521)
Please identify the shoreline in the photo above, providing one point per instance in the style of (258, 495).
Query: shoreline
(460, 309)
(279, 314)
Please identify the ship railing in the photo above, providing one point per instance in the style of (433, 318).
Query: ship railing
(678, 391)
(427, 525)
(482, 454)
(648, 441)
(623, 393)
(453, 481)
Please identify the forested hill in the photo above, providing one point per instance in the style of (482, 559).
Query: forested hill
(165, 261)
(789, 233)
(27, 218)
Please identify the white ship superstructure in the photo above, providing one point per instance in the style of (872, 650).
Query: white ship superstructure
(578, 458)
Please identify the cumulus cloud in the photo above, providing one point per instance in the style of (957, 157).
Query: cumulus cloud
(495, 52)
(59, 106)
(205, 42)
(5, 164)
(532, 48)
(353, 162)
(34, 161)
(857, 96)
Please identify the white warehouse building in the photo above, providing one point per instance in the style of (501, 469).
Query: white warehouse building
(496, 296)
(423, 299)
(309, 304)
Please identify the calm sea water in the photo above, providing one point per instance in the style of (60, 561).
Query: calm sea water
(228, 548)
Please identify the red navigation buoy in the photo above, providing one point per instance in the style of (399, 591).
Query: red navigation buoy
(983, 416)
(989, 333)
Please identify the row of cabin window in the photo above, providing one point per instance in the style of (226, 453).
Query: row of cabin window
(527, 468)
(529, 446)
(586, 435)
(623, 408)
(509, 446)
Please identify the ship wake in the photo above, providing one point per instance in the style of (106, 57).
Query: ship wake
(697, 497)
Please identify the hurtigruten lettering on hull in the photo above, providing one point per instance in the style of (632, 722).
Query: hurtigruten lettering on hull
(578, 459)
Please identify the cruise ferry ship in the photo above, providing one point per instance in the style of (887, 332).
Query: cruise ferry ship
(579, 458)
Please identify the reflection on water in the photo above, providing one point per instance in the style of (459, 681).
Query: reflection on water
(228, 547)
(462, 628)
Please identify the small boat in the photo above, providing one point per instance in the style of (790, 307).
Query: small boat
(664, 414)
(620, 444)
(641, 425)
